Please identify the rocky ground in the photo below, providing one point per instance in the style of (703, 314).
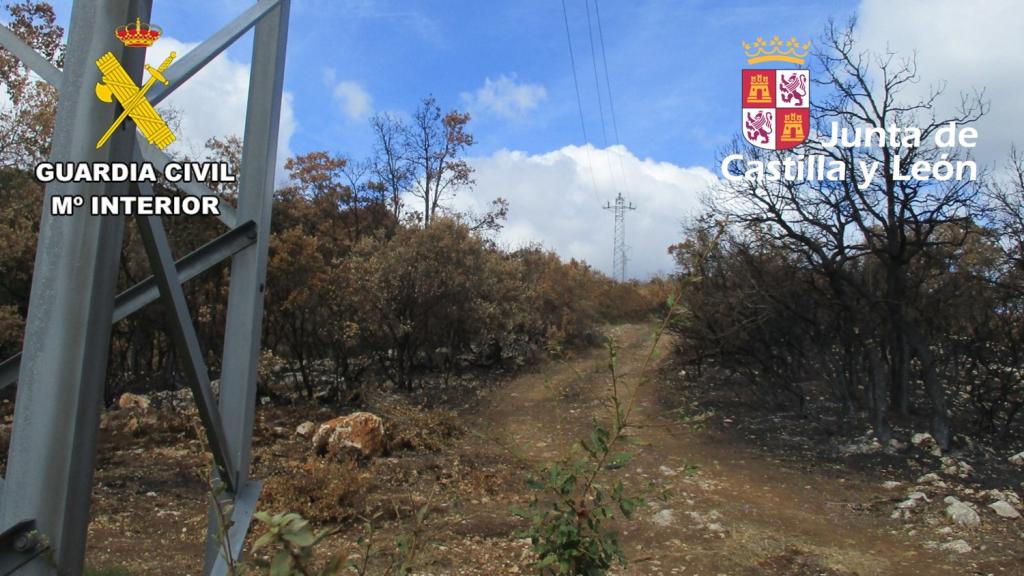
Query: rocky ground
(728, 492)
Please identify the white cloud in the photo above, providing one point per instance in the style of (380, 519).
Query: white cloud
(212, 103)
(967, 45)
(505, 97)
(557, 198)
(351, 97)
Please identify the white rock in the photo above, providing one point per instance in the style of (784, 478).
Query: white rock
(929, 478)
(1009, 495)
(911, 502)
(305, 430)
(958, 546)
(863, 446)
(664, 518)
(1017, 459)
(962, 513)
(1004, 509)
(891, 484)
(907, 504)
(964, 470)
(952, 467)
(921, 438)
(926, 442)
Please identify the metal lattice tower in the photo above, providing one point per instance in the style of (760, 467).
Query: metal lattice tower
(619, 249)
(44, 499)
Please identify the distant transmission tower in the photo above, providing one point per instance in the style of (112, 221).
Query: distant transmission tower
(619, 251)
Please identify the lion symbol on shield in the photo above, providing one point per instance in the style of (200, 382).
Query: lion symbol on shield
(759, 126)
(793, 88)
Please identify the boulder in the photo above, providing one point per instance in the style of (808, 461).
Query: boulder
(664, 517)
(929, 478)
(360, 433)
(178, 401)
(909, 504)
(1004, 509)
(961, 513)
(865, 445)
(958, 546)
(305, 430)
(954, 467)
(926, 442)
(1009, 495)
(129, 401)
(1017, 459)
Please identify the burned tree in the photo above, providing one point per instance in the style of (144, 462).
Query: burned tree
(864, 233)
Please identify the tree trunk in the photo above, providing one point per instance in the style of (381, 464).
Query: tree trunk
(880, 395)
(899, 361)
(940, 427)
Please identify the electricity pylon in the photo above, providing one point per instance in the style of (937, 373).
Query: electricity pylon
(619, 250)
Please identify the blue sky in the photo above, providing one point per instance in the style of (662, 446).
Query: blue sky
(673, 65)
(675, 77)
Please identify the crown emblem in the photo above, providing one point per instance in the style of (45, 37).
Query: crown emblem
(777, 50)
(141, 35)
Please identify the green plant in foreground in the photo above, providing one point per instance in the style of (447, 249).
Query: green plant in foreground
(569, 519)
(407, 546)
(291, 541)
(289, 545)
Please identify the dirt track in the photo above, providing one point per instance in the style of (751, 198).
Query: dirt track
(743, 512)
(716, 505)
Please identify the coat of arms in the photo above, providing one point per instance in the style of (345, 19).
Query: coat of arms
(776, 113)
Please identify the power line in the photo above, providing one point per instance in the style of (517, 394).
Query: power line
(607, 80)
(600, 101)
(608, 86)
(597, 83)
(579, 101)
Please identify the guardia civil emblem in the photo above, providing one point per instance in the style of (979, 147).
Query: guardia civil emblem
(117, 84)
(776, 112)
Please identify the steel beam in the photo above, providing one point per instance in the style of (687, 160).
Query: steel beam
(146, 152)
(183, 332)
(195, 263)
(249, 267)
(242, 510)
(29, 57)
(72, 305)
(201, 55)
(146, 292)
(67, 332)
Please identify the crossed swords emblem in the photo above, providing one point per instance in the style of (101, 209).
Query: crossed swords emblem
(118, 84)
